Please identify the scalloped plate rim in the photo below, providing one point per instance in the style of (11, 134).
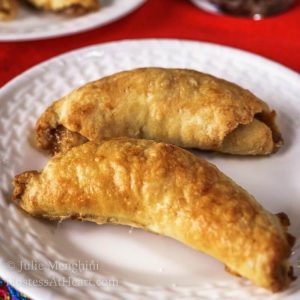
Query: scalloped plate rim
(30, 72)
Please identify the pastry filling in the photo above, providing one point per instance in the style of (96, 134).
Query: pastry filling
(61, 139)
(20, 181)
(4, 10)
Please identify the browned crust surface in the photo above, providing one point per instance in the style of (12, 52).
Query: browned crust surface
(178, 106)
(167, 190)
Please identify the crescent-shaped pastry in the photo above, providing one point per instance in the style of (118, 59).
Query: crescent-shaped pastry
(166, 190)
(182, 107)
(67, 7)
(8, 10)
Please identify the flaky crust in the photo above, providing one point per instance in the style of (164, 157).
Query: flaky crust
(183, 107)
(68, 7)
(8, 10)
(167, 190)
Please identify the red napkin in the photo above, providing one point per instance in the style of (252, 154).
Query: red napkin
(277, 38)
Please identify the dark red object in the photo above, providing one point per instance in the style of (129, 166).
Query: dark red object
(255, 8)
(277, 37)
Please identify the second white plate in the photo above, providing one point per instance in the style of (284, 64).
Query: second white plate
(31, 24)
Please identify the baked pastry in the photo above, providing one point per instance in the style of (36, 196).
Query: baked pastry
(67, 7)
(183, 107)
(8, 10)
(166, 190)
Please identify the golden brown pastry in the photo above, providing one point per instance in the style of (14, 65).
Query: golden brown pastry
(8, 10)
(166, 190)
(182, 107)
(67, 7)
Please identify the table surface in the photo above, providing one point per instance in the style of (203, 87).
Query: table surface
(277, 38)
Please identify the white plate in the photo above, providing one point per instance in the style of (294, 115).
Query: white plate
(32, 24)
(147, 266)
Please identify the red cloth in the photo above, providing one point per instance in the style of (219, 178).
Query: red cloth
(277, 38)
